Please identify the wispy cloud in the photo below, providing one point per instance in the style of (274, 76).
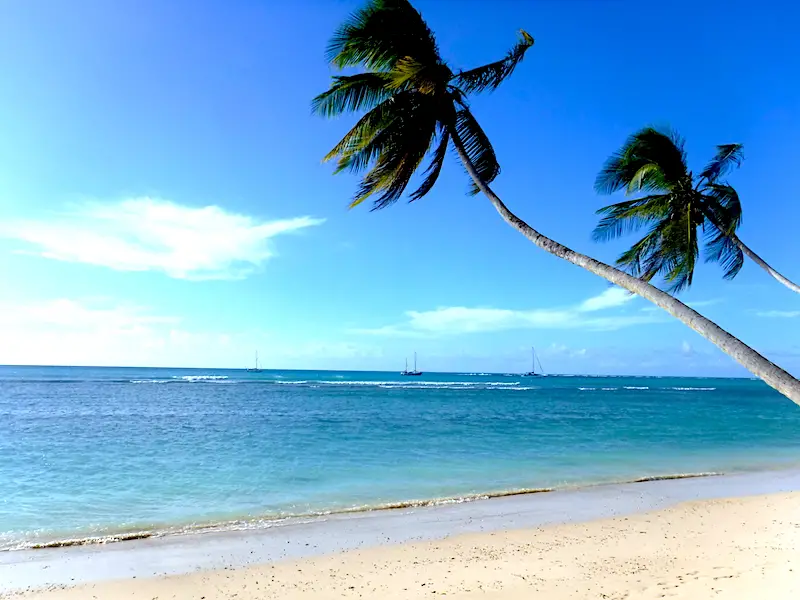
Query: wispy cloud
(67, 314)
(105, 331)
(460, 319)
(68, 331)
(779, 314)
(610, 298)
(147, 234)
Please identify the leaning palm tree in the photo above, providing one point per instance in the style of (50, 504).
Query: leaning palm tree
(416, 105)
(676, 206)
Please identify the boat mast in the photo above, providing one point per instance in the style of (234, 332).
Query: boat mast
(415, 362)
(533, 360)
(256, 359)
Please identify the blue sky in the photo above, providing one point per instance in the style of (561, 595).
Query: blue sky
(163, 200)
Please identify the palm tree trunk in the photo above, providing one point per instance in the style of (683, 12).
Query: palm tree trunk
(771, 373)
(762, 263)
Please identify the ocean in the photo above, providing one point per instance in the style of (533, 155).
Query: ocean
(98, 454)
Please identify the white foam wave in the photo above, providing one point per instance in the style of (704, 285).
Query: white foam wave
(150, 381)
(594, 389)
(421, 384)
(636, 387)
(692, 389)
(201, 377)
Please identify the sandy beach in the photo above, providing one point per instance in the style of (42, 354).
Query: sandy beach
(721, 548)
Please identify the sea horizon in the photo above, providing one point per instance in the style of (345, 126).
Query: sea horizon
(520, 373)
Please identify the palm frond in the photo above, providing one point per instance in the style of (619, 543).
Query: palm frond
(396, 151)
(638, 259)
(650, 160)
(435, 166)
(490, 76)
(728, 157)
(646, 175)
(669, 250)
(477, 146)
(630, 215)
(381, 33)
(722, 204)
(353, 93)
(721, 249)
(409, 73)
(679, 253)
(355, 147)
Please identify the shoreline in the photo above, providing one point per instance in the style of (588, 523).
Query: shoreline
(268, 521)
(333, 534)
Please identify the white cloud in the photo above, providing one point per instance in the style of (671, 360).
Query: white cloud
(147, 234)
(461, 319)
(610, 298)
(779, 314)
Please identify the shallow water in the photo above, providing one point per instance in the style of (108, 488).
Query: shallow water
(94, 452)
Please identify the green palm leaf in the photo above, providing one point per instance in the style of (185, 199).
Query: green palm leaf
(723, 206)
(435, 167)
(489, 77)
(380, 34)
(353, 93)
(626, 217)
(399, 148)
(728, 157)
(721, 249)
(651, 160)
(364, 141)
(477, 146)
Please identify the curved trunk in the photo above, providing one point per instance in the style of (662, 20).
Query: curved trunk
(761, 263)
(772, 374)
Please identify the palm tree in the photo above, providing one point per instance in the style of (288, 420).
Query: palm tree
(675, 205)
(415, 105)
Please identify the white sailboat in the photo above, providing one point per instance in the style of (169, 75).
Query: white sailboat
(255, 369)
(413, 373)
(534, 360)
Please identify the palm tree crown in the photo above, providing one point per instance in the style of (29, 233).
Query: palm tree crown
(674, 204)
(414, 102)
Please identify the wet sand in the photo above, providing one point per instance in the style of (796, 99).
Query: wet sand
(510, 548)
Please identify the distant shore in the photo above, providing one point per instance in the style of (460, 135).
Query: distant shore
(167, 560)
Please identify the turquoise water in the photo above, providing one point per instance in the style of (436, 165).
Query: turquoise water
(90, 452)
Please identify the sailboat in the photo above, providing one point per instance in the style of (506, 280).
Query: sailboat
(534, 360)
(414, 372)
(255, 369)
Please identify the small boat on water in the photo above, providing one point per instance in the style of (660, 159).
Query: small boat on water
(534, 360)
(413, 373)
(255, 369)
